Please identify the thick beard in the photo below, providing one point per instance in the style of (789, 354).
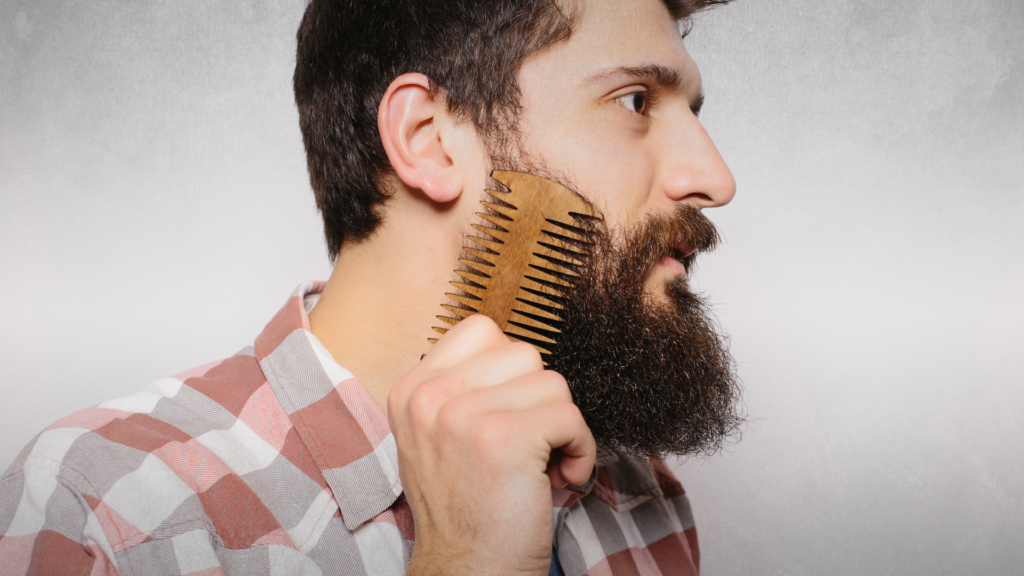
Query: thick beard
(652, 376)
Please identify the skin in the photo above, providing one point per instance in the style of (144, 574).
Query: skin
(479, 410)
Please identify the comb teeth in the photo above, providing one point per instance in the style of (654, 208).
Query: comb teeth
(573, 232)
(459, 311)
(471, 267)
(474, 288)
(507, 210)
(539, 312)
(492, 246)
(497, 220)
(469, 301)
(549, 288)
(533, 241)
(472, 277)
(569, 264)
(544, 300)
(499, 234)
(447, 320)
(484, 256)
(554, 276)
(566, 254)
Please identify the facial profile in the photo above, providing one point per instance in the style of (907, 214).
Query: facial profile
(643, 355)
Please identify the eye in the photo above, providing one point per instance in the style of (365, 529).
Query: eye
(635, 101)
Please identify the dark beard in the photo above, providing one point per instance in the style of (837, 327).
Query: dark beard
(651, 376)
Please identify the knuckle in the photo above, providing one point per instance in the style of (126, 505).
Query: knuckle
(480, 325)
(397, 399)
(454, 416)
(479, 329)
(399, 396)
(558, 385)
(570, 412)
(421, 405)
(554, 378)
(525, 352)
(552, 385)
(490, 436)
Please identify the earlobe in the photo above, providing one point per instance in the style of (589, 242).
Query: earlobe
(408, 121)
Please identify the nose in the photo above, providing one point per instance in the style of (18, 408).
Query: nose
(695, 172)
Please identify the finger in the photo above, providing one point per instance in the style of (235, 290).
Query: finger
(562, 427)
(554, 470)
(497, 366)
(521, 393)
(452, 392)
(471, 337)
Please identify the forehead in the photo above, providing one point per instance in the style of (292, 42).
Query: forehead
(619, 33)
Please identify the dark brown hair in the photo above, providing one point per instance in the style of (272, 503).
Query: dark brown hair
(349, 51)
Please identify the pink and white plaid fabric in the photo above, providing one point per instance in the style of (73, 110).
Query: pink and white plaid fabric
(278, 461)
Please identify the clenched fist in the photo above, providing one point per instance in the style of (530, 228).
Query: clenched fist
(483, 434)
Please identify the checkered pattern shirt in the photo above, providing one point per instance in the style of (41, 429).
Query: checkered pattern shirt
(277, 461)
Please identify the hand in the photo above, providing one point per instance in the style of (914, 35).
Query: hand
(483, 434)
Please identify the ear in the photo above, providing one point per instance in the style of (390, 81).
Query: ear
(410, 124)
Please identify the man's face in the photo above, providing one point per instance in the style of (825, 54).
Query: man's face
(612, 112)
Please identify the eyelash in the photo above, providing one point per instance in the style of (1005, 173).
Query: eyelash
(650, 97)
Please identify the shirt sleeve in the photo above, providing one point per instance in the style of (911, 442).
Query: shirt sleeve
(45, 527)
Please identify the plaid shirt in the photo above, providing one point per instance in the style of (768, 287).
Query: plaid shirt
(278, 461)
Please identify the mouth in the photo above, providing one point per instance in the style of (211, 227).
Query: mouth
(682, 253)
(677, 258)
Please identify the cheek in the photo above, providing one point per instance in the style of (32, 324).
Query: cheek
(612, 164)
(615, 172)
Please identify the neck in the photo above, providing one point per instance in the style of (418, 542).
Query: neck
(382, 299)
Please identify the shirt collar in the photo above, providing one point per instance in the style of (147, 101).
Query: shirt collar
(342, 426)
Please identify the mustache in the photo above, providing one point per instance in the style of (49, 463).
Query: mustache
(684, 229)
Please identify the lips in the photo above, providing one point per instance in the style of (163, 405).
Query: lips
(672, 241)
(682, 252)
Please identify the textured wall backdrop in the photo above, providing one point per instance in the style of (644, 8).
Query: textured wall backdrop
(155, 212)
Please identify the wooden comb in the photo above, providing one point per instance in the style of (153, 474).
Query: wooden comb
(518, 272)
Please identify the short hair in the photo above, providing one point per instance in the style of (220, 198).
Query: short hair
(349, 52)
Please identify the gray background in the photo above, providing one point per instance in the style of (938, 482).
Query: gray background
(155, 212)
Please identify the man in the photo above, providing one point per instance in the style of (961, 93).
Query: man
(330, 446)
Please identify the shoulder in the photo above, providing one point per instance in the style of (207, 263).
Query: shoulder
(122, 432)
(135, 463)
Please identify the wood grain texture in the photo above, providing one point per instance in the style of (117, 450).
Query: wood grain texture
(533, 239)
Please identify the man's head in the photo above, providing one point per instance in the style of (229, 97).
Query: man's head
(405, 113)
(350, 52)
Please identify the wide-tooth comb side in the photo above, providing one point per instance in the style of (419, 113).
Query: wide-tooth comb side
(533, 240)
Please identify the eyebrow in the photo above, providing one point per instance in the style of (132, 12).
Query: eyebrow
(665, 77)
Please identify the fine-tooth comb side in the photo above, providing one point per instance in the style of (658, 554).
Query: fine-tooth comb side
(534, 238)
